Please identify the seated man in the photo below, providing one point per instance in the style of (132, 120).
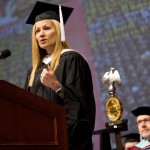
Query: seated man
(143, 121)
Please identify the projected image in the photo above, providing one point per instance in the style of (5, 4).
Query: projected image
(118, 33)
(108, 33)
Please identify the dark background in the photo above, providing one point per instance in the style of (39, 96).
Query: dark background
(109, 33)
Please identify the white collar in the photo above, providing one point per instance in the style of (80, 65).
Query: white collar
(47, 59)
(143, 143)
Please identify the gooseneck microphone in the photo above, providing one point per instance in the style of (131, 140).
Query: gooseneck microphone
(5, 53)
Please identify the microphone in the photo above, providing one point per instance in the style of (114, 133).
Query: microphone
(5, 53)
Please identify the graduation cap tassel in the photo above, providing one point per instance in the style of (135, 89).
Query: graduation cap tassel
(61, 25)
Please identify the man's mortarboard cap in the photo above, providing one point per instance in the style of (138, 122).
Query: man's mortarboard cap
(132, 137)
(44, 10)
(144, 110)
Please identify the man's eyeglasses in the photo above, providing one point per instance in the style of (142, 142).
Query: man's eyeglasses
(146, 120)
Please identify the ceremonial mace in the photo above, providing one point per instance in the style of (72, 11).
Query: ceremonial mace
(114, 107)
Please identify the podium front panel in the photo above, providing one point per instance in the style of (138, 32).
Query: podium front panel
(30, 122)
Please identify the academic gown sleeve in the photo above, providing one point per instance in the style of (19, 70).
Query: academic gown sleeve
(27, 79)
(74, 73)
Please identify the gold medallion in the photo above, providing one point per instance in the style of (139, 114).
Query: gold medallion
(114, 109)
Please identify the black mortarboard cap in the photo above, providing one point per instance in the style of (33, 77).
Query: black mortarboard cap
(44, 10)
(143, 110)
(132, 137)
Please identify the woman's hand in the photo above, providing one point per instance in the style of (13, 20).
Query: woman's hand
(49, 79)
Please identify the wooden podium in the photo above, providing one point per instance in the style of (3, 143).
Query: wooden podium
(28, 122)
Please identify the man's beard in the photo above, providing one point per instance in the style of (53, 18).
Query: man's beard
(147, 137)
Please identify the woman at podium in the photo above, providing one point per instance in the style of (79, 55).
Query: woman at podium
(61, 74)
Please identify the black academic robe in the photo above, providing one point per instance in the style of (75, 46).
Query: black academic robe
(74, 74)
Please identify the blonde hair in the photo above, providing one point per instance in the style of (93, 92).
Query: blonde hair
(38, 53)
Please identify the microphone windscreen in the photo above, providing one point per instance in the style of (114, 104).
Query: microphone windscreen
(5, 53)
